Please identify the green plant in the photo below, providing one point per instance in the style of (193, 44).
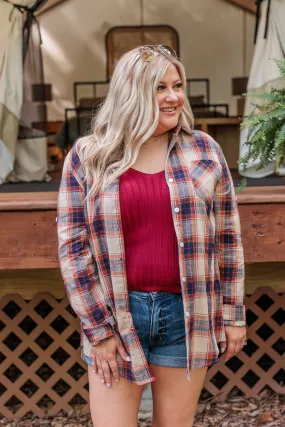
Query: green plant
(266, 123)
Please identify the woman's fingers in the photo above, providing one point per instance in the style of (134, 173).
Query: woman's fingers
(223, 346)
(238, 347)
(94, 364)
(236, 337)
(100, 371)
(105, 369)
(114, 368)
(105, 359)
(106, 372)
(121, 349)
(234, 348)
(240, 344)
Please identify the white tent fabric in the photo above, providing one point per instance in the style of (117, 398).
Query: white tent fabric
(24, 159)
(11, 83)
(264, 73)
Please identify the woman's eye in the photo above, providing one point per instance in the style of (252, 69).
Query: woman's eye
(177, 86)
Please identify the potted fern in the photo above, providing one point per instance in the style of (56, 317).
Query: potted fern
(266, 128)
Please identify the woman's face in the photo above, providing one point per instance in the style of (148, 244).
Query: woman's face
(170, 98)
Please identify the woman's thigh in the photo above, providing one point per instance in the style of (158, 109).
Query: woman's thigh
(117, 406)
(175, 398)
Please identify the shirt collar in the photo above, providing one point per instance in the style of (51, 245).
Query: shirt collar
(177, 129)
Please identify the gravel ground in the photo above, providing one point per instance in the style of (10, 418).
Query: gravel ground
(268, 410)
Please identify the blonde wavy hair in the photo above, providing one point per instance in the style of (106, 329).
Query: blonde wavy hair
(127, 118)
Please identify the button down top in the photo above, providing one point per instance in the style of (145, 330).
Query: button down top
(212, 259)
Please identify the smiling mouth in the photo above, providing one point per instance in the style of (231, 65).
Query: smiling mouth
(168, 110)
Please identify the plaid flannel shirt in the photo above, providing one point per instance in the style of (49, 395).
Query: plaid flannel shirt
(206, 220)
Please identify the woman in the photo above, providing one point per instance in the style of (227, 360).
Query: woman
(149, 246)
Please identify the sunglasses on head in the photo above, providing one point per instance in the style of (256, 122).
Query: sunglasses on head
(149, 52)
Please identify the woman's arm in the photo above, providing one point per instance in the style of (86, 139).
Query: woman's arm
(229, 247)
(78, 268)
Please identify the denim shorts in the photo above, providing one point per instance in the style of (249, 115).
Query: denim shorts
(158, 318)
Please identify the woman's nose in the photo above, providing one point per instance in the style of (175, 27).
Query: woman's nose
(171, 96)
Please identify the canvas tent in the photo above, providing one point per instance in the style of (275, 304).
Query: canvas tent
(22, 148)
(270, 43)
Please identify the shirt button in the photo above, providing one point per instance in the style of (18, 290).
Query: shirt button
(182, 244)
(187, 314)
(176, 209)
(183, 279)
(170, 180)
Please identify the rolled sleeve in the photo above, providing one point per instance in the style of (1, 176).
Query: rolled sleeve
(78, 267)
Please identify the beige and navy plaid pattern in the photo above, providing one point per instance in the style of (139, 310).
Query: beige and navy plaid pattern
(206, 221)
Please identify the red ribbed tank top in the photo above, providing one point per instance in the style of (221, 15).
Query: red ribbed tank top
(151, 246)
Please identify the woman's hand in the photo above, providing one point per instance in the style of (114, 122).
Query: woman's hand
(104, 358)
(236, 338)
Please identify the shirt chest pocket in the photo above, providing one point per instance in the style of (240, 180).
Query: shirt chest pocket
(204, 175)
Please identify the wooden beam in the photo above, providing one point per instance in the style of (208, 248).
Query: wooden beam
(49, 5)
(38, 201)
(252, 195)
(261, 274)
(28, 201)
(28, 283)
(248, 5)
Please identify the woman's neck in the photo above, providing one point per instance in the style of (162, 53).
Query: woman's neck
(157, 140)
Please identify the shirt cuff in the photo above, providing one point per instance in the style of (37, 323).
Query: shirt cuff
(234, 315)
(98, 334)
